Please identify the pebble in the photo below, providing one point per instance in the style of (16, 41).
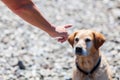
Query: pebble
(21, 65)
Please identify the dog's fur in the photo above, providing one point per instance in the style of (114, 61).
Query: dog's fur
(89, 41)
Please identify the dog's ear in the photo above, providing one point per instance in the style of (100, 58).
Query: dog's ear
(71, 38)
(99, 39)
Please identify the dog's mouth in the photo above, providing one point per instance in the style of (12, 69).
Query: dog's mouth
(78, 53)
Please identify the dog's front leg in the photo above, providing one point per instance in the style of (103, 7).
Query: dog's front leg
(77, 75)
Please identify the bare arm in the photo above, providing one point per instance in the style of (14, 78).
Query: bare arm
(28, 11)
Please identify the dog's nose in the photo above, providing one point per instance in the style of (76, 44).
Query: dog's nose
(78, 50)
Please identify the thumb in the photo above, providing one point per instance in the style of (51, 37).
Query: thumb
(68, 26)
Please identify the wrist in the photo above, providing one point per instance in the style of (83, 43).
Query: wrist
(52, 31)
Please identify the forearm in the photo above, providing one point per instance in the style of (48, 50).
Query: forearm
(29, 12)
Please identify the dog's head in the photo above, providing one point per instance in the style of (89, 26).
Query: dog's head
(86, 42)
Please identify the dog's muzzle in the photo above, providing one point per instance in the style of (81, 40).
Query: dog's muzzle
(78, 50)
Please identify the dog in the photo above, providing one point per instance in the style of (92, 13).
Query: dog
(90, 63)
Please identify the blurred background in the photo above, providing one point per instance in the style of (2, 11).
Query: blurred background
(28, 53)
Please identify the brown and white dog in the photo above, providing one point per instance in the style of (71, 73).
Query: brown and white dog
(90, 63)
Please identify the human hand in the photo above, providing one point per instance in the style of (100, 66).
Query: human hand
(62, 33)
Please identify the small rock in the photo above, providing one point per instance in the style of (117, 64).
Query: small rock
(21, 65)
(69, 79)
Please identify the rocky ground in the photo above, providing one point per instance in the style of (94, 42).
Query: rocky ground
(43, 57)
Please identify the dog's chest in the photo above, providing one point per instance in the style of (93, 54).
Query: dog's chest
(87, 78)
(100, 73)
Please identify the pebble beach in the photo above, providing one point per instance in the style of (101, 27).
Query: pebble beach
(42, 57)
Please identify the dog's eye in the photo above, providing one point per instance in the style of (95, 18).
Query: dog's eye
(76, 39)
(87, 40)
